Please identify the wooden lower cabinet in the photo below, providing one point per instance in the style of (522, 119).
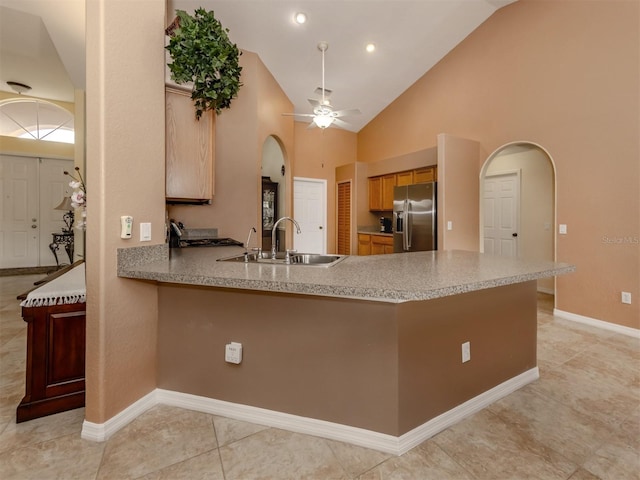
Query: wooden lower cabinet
(372, 244)
(55, 360)
(381, 244)
(364, 244)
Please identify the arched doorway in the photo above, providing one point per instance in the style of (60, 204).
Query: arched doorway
(518, 204)
(273, 196)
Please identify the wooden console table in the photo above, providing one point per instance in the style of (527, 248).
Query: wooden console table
(55, 350)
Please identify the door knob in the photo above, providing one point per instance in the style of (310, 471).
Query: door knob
(34, 226)
(320, 227)
(514, 234)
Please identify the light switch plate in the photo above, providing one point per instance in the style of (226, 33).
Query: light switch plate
(562, 229)
(145, 232)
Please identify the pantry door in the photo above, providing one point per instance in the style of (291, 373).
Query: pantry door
(502, 213)
(310, 211)
(19, 226)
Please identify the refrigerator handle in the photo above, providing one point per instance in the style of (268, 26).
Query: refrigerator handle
(405, 235)
(409, 227)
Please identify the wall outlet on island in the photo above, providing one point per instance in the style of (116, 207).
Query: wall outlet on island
(626, 297)
(466, 352)
(233, 353)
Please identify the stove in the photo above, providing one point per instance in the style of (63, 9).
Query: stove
(208, 242)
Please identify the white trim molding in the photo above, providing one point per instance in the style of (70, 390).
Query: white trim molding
(613, 327)
(309, 426)
(99, 432)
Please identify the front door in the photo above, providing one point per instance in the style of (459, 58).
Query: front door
(30, 189)
(19, 226)
(501, 214)
(310, 211)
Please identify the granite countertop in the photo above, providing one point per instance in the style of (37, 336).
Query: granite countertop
(394, 278)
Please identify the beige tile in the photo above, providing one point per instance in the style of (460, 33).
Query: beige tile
(615, 461)
(491, 449)
(160, 437)
(582, 474)
(576, 436)
(41, 429)
(205, 466)
(67, 457)
(276, 454)
(355, 459)
(559, 342)
(423, 462)
(229, 430)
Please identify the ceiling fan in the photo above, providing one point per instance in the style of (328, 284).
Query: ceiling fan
(324, 115)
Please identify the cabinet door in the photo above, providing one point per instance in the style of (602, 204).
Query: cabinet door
(364, 244)
(189, 149)
(404, 178)
(381, 244)
(388, 183)
(424, 175)
(375, 193)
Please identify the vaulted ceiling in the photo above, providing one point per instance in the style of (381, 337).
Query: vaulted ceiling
(42, 44)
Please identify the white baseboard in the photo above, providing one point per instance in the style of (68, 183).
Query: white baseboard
(309, 426)
(99, 432)
(631, 332)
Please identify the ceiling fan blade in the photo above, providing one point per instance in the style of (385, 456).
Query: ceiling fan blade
(314, 103)
(340, 123)
(311, 125)
(346, 113)
(298, 114)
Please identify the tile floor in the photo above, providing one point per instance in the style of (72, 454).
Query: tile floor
(579, 421)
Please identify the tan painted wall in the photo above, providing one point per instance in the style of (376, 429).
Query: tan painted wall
(240, 134)
(563, 75)
(125, 176)
(317, 154)
(374, 365)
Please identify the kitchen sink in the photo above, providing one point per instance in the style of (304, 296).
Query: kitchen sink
(310, 259)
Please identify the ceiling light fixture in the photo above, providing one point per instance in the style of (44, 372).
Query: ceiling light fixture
(18, 87)
(370, 47)
(300, 18)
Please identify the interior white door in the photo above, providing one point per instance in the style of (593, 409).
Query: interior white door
(310, 211)
(19, 226)
(501, 214)
(53, 187)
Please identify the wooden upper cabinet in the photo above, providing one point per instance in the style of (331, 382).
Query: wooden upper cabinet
(388, 183)
(375, 193)
(404, 178)
(424, 175)
(189, 149)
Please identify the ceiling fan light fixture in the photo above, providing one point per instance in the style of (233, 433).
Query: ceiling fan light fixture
(18, 87)
(370, 47)
(323, 121)
(300, 18)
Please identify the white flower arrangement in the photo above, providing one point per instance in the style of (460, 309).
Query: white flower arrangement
(79, 197)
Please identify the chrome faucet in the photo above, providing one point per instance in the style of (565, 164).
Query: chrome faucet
(273, 234)
(246, 245)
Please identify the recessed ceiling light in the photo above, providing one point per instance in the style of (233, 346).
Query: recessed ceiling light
(370, 47)
(300, 18)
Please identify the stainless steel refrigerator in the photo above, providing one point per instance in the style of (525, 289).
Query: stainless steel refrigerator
(414, 217)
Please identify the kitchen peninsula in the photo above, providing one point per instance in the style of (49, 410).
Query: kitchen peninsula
(367, 351)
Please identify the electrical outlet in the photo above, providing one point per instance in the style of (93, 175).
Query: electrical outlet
(626, 297)
(233, 353)
(562, 229)
(466, 352)
(449, 225)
